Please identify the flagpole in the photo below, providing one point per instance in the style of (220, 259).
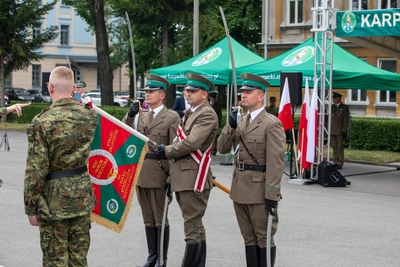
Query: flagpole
(302, 150)
(295, 152)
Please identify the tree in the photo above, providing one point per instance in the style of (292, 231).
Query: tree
(19, 45)
(95, 14)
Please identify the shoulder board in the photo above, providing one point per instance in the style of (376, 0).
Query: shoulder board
(272, 117)
(172, 112)
(205, 108)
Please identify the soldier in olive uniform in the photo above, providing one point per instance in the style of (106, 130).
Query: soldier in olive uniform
(339, 126)
(259, 144)
(58, 193)
(191, 177)
(272, 108)
(160, 125)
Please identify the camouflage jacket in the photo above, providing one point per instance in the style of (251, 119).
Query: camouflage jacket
(59, 139)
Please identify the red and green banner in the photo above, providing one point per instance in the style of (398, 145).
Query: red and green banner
(115, 161)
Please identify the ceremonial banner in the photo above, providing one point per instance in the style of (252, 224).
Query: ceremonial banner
(115, 160)
(372, 22)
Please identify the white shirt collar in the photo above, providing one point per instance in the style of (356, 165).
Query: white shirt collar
(255, 113)
(157, 110)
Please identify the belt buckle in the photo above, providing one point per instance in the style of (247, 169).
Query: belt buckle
(241, 166)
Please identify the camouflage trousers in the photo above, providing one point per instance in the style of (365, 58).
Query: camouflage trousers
(65, 243)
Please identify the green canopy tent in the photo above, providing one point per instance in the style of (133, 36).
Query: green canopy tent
(214, 64)
(348, 70)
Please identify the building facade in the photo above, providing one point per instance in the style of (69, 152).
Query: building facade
(289, 24)
(74, 47)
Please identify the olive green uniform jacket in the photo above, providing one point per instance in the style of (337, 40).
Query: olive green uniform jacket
(340, 119)
(161, 130)
(59, 139)
(201, 128)
(266, 139)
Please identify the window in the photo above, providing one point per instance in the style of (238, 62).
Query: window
(387, 96)
(8, 79)
(357, 95)
(359, 4)
(64, 35)
(386, 4)
(36, 31)
(36, 71)
(295, 11)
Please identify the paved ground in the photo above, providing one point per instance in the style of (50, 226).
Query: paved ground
(355, 226)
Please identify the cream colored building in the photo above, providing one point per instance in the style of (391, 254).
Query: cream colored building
(74, 47)
(289, 24)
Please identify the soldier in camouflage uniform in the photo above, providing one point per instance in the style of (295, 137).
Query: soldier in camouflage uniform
(58, 194)
(159, 124)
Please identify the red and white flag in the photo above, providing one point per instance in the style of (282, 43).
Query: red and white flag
(303, 129)
(312, 126)
(285, 108)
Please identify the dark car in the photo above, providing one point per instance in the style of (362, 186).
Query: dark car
(39, 97)
(18, 94)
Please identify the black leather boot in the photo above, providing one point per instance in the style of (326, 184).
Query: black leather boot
(191, 257)
(165, 250)
(152, 241)
(273, 255)
(252, 256)
(203, 253)
(262, 257)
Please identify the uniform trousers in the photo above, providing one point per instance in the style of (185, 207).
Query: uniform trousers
(151, 201)
(253, 221)
(65, 243)
(193, 207)
(338, 149)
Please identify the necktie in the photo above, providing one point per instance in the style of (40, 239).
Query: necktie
(248, 120)
(151, 116)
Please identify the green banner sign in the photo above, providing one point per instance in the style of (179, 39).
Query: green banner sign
(373, 22)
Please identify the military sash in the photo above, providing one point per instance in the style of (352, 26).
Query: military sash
(203, 160)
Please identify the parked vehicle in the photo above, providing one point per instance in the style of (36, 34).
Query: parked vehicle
(6, 100)
(96, 99)
(18, 94)
(39, 97)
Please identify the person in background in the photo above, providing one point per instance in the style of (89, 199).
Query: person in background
(160, 125)
(181, 105)
(16, 109)
(191, 177)
(58, 193)
(259, 141)
(272, 108)
(339, 126)
(80, 95)
(217, 108)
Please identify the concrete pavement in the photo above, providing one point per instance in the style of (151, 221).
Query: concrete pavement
(354, 226)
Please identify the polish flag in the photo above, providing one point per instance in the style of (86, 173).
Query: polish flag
(285, 108)
(303, 129)
(312, 126)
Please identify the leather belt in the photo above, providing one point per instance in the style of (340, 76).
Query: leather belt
(183, 157)
(62, 174)
(248, 167)
(153, 156)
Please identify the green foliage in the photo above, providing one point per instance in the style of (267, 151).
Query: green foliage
(375, 134)
(18, 48)
(29, 112)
